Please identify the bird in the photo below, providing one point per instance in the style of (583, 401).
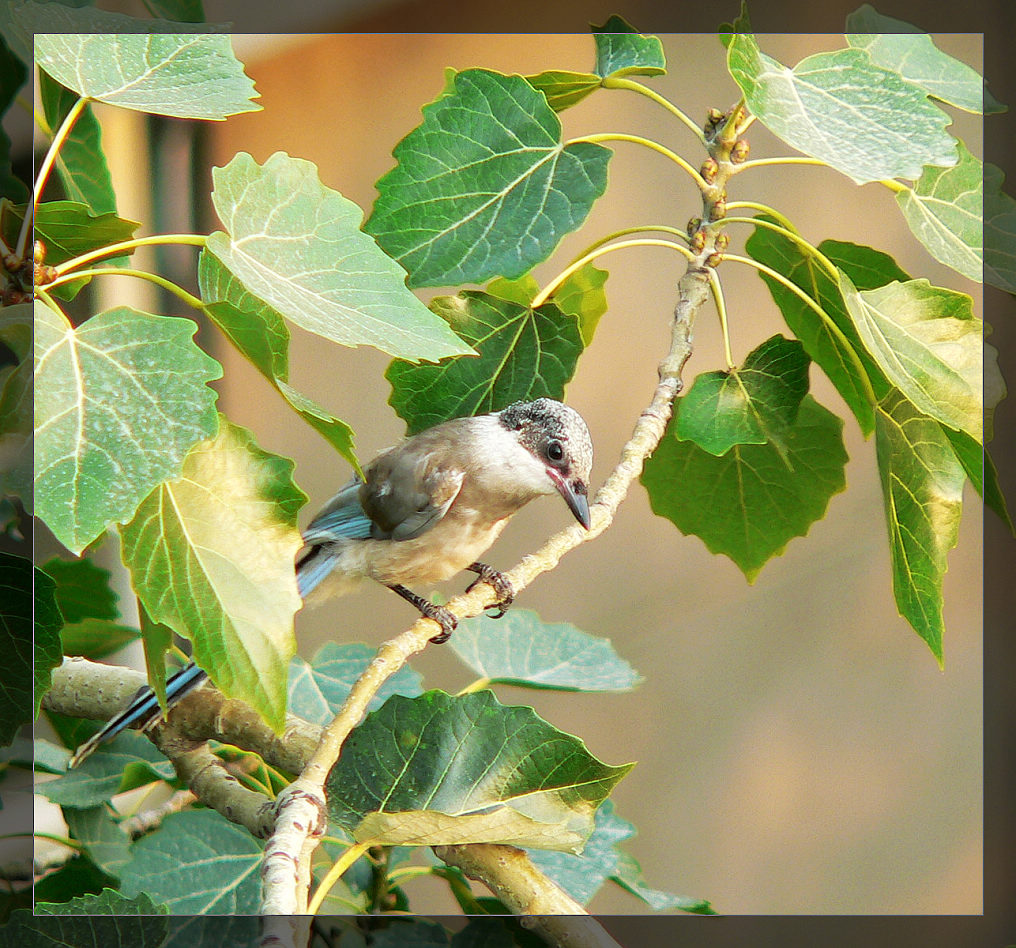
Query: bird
(425, 509)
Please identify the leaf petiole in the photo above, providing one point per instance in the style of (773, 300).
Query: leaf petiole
(125, 246)
(619, 82)
(648, 143)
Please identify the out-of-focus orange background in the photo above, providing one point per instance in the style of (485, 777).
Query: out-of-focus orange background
(799, 750)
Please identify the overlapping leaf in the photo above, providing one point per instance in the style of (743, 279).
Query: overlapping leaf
(318, 688)
(622, 51)
(929, 345)
(68, 229)
(296, 246)
(259, 332)
(440, 769)
(922, 486)
(82, 589)
(564, 89)
(119, 401)
(999, 231)
(911, 54)
(751, 502)
(211, 556)
(182, 75)
(944, 211)
(753, 404)
(106, 918)
(197, 863)
(842, 108)
(487, 161)
(106, 843)
(520, 649)
(524, 354)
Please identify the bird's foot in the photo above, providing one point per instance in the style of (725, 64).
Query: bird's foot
(442, 616)
(498, 582)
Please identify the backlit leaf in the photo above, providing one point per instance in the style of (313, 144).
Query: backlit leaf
(564, 89)
(622, 51)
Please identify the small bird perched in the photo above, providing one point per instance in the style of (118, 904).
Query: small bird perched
(424, 511)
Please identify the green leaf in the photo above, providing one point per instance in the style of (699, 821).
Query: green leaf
(922, 485)
(127, 761)
(119, 401)
(602, 859)
(211, 556)
(834, 343)
(297, 246)
(96, 638)
(755, 404)
(524, 354)
(259, 333)
(17, 606)
(911, 54)
(564, 89)
(17, 404)
(441, 769)
(980, 469)
(81, 162)
(69, 229)
(318, 688)
(751, 502)
(107, 845)
(999, 231)
(840, 107)
(77, 877)
(520, 649)
(107, 918)
(182, 75)
(182, 11)
(82, 589)
(157, 640)
(487, 161)
(943, 210)
(929, 345)
(197, 863)
(622, 51)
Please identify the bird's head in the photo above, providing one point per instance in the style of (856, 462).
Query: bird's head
(558, 438)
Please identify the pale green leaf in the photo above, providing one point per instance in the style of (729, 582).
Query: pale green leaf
(211, 556)
(944, 209)
(178, 74)
(922, 487)
(929, 345)
(520, 649)
(999, 231)
(905, 50)
(119, 401)
(564, 89)
(297, 246)
(440, 769)
(487, 161)
(318, 688)
(840, 107)
(751, 502)
(622, 51)
(197, 863)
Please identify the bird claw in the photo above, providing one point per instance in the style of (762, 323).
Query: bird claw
(499, 583)
(443, 618)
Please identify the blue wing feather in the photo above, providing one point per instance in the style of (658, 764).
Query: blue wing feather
(342, 518)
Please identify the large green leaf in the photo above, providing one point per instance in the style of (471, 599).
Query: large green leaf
(119, 401)
(944, 211)
(439, 769)
(81, 162)
(922, 486)
(999, 231)
(318, 688)
(751, 502)
(297, 246)
(929, 345)
(622, 51)
(197, 863)
(520, 649)
(104, 918)
(754, 404)
(832, 343)
(211, 556)
(524, 354)
(602, 859)
(842, 108)
(259, 332)
(911, 54)
(486, 163)
(106, 843)
(26, 649)
(182, 75)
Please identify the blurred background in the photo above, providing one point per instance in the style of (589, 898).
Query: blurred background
(799, 750)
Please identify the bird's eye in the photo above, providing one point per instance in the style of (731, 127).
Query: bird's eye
(555, 451)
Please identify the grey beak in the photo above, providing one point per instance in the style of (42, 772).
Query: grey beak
(574, 494)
